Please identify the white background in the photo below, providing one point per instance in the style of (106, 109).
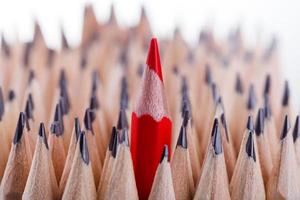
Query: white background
(258, 19)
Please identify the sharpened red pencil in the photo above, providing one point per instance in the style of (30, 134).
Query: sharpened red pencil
(151, 125)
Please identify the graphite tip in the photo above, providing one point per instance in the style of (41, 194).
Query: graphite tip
(124, 93)
(113, 135)
(182, 139)
(124, 139)
(2, 104)
(31, 76)
(208, 76)
(286, 94)
(186, 117)
(122, 121)
(259, 125)
(4, 46)
(20, 128)
(285, 128)
(62, 78)
(238, 84)
(83, 60)
(56, 128)
(267, 85)
(84, 148)
(64, 98)
(28, 110)
(115, 145)
(215, 92)
(250, 148)
(267, 108)
(77, 128)
(64, 41)
(94, 81)
(250, 124)
(216, 138)
(165, 154)
(88, 119)
(251, 102)
(11, 95)
(296, 131)
(42, 134)
(58, 117)
(224, 124)
(94, 103)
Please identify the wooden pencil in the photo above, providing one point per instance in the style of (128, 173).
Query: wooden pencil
(213, 183)
(18, 164)
(41, 182)
(162, 187)
(284, 183)
(81, 184)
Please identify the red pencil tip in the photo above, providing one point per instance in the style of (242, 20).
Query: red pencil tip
(153, 59)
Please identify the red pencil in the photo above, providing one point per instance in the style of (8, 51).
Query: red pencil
(151, 125)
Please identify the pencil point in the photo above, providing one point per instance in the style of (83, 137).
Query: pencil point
(64, 41)
(62, 78)
(115, 145)
(267, 85)
(259, 125)
(186, 117)
(29, 109)
(94, 81)
(238, 84)
(216, 138)
(165, 154)
(250, 148)
(153, 59)
(83, 60)
(296, 131)
(122, 121)
(286, 127)
(50, 57)
(2, 104)
(224, 124)
(64, 92)
(84, 148)
(208, 76)
(4, 46)
(94, 103)
(42, 133)
(20, 128)
(184, 86)
(267, 109)
(250, 124)
(77, 128)
(251, 102)
(112, 17)
(112, 138)
(124, 137)
(11, 95)
(215, 92)
(58, 116)
(56, 128)
(89, 117)
(182, 139)
(286, 94)
(31, 76)
(124, 93)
